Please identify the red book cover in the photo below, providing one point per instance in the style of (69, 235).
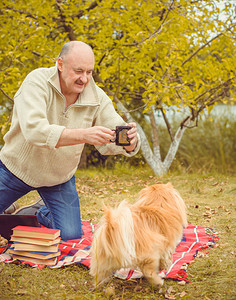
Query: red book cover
(36, 229)
(36, 232)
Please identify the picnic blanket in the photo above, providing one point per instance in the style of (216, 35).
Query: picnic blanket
(195, 238)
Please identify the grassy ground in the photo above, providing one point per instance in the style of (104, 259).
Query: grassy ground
(210, 200)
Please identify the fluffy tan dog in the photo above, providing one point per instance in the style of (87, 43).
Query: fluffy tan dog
(142, 235)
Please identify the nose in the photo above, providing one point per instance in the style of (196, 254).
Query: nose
(83, 78)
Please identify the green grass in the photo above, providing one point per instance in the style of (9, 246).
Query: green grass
(210, 200)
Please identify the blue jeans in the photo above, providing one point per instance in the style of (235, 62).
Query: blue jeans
(62, 210)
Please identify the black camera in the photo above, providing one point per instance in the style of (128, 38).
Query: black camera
(121, 136)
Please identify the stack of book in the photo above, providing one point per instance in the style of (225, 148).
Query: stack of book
(35, 244)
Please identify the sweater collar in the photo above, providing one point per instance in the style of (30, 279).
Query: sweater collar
(89, 96)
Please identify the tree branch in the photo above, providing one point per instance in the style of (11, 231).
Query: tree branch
(157, 31)
(22, 12)
(6, 95)
(167, 124)
(155, 138)
(41, 55)
(215, 88)
(206, 44)
(91, 6)
(66, 27)
(175, 144)
(4, 69)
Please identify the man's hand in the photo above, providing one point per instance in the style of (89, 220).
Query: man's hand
(132, 135)
(96, 135)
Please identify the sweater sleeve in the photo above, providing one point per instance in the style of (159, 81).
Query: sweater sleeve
(108, 117)
(31, 111)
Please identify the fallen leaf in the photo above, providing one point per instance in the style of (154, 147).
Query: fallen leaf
(182, 282)
(21, 292)
(182, 294)
(170, 297)
(138, 288)
(170, 290)
(76, 287)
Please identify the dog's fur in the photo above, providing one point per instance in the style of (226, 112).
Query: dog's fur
(142, 235)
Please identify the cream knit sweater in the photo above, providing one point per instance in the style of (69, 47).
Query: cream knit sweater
(40, 116)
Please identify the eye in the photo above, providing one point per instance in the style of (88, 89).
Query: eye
(78, 71)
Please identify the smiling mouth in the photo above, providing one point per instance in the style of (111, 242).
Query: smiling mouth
(79, 84)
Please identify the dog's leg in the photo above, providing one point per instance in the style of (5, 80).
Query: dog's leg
(101, 282)
(149, 268)
(100, 273)
(166, 260)
(100, 277)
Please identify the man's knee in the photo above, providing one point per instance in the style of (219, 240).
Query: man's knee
(71, 233)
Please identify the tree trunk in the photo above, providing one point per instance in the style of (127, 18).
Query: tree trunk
(152, 157)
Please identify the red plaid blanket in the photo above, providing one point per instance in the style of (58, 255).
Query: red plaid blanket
(195, 238)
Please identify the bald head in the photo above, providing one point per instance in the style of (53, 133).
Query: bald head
(75, 65)
(75, 46)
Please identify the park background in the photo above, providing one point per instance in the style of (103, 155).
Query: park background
(170, 67)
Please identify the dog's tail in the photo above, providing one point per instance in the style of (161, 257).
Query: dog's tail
(118, 234)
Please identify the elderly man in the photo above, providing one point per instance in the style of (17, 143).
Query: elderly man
(56, 111)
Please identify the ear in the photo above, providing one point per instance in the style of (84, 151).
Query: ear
(60, 64)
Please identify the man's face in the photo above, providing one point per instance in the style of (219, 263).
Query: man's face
(75, 71)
